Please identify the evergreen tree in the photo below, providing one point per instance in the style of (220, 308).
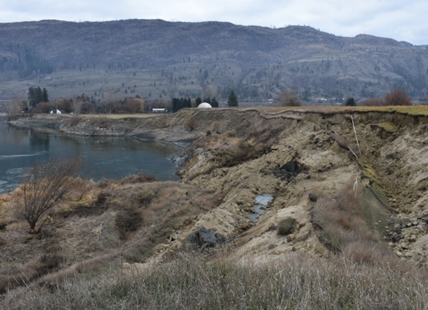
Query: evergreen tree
(214, 103)
(232, 100)
(45, 95)
(31, 97)
(350, 102)
(36, 95)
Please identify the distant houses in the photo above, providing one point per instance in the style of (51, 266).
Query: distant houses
(159, 110)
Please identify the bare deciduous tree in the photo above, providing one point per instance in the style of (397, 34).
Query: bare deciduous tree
(43, 188)
(77, 105)
(397, 97)
(289, 98)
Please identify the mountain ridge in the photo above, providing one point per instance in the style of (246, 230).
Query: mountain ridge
(187, 58)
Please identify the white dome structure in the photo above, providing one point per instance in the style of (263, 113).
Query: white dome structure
(205, 105)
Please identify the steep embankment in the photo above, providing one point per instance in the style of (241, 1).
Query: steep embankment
(329, 193)
(299, 156)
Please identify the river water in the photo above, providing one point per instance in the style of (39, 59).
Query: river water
(103, 157)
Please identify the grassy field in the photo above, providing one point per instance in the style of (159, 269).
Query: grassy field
(409, 110)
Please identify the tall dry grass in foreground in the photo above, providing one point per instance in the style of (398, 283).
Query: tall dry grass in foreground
(293, 282)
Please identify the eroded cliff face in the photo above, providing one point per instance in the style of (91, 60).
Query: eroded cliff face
(297, 157)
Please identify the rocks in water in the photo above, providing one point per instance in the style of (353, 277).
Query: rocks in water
(205, 238)
(289, 170)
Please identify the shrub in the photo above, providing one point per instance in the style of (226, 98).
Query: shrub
(190, 124)
(42, 107)
(128, 221)
(48, 262)
(44, 187)
(145, 197)
(350, 102)
(286, 226)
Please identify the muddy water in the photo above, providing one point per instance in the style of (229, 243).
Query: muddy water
(260, 207)
(104, 157)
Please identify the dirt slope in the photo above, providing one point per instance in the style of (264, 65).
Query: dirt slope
(391, 162)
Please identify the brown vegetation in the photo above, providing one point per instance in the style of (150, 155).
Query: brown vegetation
(397, 97)
(372, 102)
(42, 107)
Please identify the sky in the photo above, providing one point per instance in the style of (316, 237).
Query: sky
(397, 19)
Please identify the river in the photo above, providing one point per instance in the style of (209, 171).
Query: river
(103, 157)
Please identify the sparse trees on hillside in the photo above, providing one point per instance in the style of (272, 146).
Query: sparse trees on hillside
(289, 98)
(232, 100)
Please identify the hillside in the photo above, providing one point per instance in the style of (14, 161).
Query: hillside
(160, 60)
(360, 207)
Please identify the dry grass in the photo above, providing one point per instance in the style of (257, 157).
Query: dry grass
(294, 282)
(137, 178)
(23, 274)
(341, 221)
(409, 110)
(118, 116)
(74, 120)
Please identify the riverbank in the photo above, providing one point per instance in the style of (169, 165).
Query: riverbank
(152, 127)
